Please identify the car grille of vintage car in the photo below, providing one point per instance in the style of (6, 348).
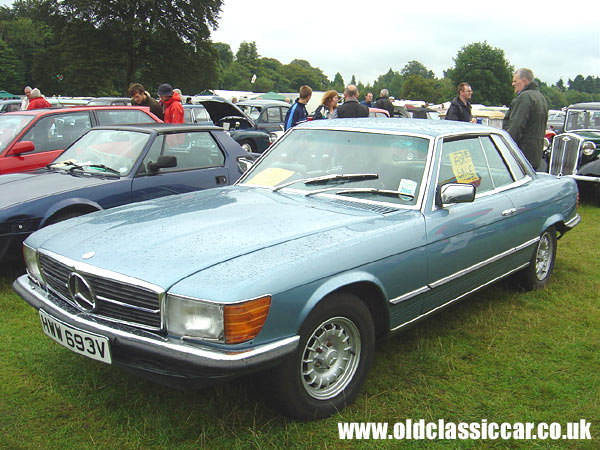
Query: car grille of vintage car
(114, 300)
(565, 154)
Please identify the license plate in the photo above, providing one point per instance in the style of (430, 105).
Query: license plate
(87, 344)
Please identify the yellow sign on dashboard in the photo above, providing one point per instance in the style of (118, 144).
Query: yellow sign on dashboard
(463, 167)
(271, 176)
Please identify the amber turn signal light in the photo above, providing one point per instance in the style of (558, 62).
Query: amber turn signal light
(243, 321)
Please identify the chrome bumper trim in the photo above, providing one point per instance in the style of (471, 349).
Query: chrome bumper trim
(171, 348)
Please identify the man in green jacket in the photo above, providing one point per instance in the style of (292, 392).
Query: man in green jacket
(526, 118)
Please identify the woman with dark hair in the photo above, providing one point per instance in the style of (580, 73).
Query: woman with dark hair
(328, 107)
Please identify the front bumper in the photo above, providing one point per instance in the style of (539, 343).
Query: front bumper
(162, 359)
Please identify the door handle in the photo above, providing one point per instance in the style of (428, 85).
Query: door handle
(509, 212)
(221, 179)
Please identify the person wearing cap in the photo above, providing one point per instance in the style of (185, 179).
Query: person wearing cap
(171, 101)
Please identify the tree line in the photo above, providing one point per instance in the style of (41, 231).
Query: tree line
(96, 48)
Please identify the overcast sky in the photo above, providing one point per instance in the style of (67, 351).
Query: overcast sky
(554, 38)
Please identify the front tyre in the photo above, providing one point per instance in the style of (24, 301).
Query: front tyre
(331, 363)
(537, 274)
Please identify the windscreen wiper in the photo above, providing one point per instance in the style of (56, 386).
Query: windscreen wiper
(386, 192)
(329, 178)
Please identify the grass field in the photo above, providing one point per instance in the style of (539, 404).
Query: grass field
(500, 355)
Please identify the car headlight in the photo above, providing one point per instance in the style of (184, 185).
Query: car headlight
(31, 262)
(588, 148)
(230, 324)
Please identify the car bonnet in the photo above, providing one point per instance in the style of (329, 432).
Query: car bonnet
(19, 188)
(165, 240)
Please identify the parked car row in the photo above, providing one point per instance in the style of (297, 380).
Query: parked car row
(32, 139)
(343, 232)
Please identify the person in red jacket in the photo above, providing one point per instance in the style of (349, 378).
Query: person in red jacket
(36, 101)
(171, 102)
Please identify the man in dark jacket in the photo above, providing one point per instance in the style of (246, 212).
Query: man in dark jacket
(351, 107)
(139, 97)
(297, 113)
(460, 106)
(383, 102)
(526, 117)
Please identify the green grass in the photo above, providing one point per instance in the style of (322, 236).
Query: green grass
(501, 355)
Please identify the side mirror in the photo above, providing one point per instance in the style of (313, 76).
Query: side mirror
(454, 193)
(21, 147)
(162, 163)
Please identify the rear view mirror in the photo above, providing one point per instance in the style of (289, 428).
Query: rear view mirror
(454, 193)
(21, 147)
(162, 163)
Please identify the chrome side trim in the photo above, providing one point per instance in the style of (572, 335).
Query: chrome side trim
(460, 273)
(409, 295)
(481, 264)
(527, 244)
(458, 298)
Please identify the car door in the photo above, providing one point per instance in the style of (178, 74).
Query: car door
(201, 164)
(469, 244)
(51, 134)
(271, 118)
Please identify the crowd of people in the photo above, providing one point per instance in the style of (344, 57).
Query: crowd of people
(525, 119)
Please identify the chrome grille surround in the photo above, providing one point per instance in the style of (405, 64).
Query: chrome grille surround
(119, 298)
(565, 154)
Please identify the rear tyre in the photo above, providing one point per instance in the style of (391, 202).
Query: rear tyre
(331, 363)
(537, 274)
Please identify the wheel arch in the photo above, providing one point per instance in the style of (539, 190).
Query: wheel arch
(83, 206)
(556, 221)
(362, 284)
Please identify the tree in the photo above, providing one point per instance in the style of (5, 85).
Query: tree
(418, 88)
(392, 81)
(136, 24)
(487, 71)
(338, 83)
(416, 68)
(11, 73)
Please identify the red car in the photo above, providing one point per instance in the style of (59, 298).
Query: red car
(32, 139)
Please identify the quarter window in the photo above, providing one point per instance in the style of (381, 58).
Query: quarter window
(500, 174)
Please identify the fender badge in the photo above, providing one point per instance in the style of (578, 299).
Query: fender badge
(88, 255)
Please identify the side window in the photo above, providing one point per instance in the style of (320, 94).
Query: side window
(500, 174)
(122, 116)
(194, 150)
(463, 161)
(57, 132)
(273, 115)
(515, 167)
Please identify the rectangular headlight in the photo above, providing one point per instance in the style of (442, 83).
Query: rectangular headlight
(194, 318)
(31, 261)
